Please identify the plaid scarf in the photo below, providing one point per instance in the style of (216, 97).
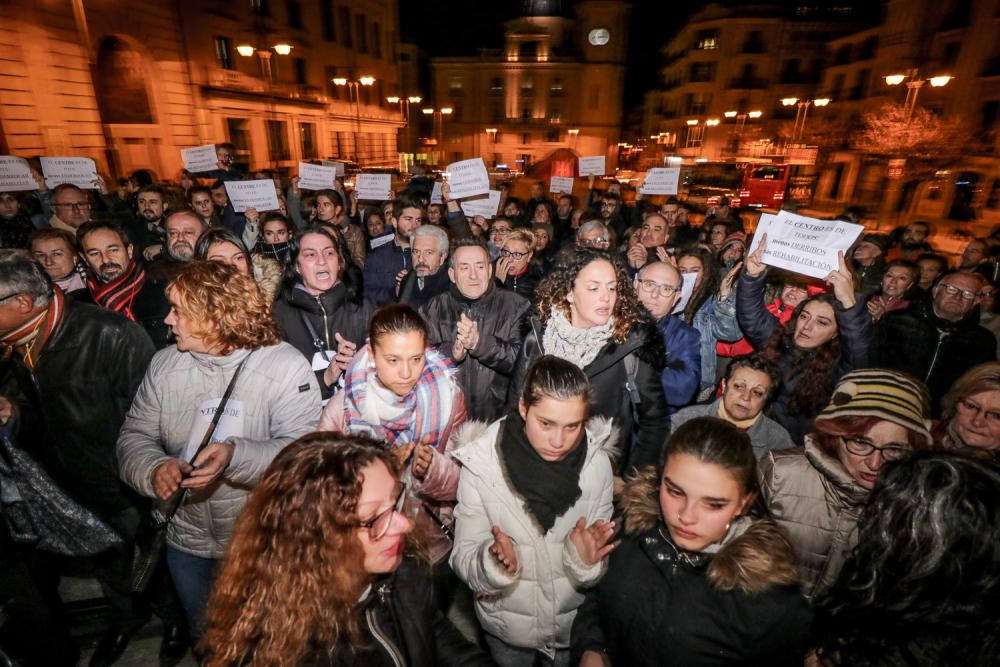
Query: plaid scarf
(29, 339)
(119, 294)
(420, 416)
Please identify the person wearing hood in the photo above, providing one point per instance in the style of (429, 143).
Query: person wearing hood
(731, 252)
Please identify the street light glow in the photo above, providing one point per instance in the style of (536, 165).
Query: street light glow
(693, 121)
(574, 131)
(789, 101)
(712, 122)
(392, 100)
(821, 101)
(245, 50)
(755, 114)
(415, 99)
(938, 81)
(339, 81)
(428, 111)
(730, 114)
(367, 81)
(895, 79)
(446, 110)
(282, 49)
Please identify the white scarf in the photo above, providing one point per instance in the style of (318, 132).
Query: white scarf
(577, 346)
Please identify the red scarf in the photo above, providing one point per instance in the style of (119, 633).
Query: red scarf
(29, 339)
(118, 294)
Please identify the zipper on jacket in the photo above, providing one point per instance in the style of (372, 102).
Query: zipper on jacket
(381, 638)
(942, 334)
(326, 324)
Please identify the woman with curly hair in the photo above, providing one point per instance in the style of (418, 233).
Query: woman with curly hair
(319, 571)
(817, 492)
(227, 344)
(827, 336)
(923, 585)
(586, 312)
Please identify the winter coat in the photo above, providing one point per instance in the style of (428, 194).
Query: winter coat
(869, 278)
(535, 606)
(765, 435)
(381, 268)
(611, 384)
(415, 296)
(484, 373)
(933, 350)
(330, 313)
(524, 284)
(814, 499)
(681, 376)
(71, 406)
(280, 402)
(658, 605)
(854, 327)
(715, 321)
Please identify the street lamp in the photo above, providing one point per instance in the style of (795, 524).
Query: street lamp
(356, 87)
(404, 107)
(913, 85)
(801, 112)
(438, 121)
(266, 73)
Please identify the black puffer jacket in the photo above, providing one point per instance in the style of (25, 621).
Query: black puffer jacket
(484, 374)
(330, 313)
(401, 625)
(609, 377)
(660, 605)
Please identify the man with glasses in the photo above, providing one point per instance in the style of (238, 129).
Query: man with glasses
(658, 287)
(71, 207)
(937, 341)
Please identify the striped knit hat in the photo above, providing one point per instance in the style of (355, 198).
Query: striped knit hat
(879, 392)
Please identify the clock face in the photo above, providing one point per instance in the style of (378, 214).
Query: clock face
(599, 36)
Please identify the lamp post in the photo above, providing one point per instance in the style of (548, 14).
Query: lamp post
(801, 112)
(266, 73)
(404, 108)
(913, 85)
(355, 85)
(741, 121)
(438, 121)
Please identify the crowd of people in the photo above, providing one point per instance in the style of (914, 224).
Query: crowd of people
(608, 429)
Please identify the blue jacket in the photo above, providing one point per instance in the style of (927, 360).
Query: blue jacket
(715, 321)
(681, 376)
(381, 268)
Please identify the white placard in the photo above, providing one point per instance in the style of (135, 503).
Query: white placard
(373, 187)
(561, 185)
(15, 175)
(804, 245)
(592, 166)
(486, 207)
(259, 194)
(436, 197)
(80, 171)
(314, 177)
(468, 178)
(339, 166)
(200, 158)
(661, 181)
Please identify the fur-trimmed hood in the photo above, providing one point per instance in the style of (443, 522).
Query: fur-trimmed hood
(267, 273)
(758, 558)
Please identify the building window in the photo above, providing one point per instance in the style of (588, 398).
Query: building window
(361, 32)
(455, 83)
(526, 113)
(301, 75)
(527, 86)
(695, 135)
(223, 53)
(754, 42)
(344, 15)
(307, 135)
(294, 10)
(239, 137)
(701, 72)
(377, 39)
(260, 7)
(327, 19)
(707, 40)
(527, 51)
(496, 84)
(556, 87)
(277, 140)
(552, 135)
(332, 89)
(526, 138)
(595, 97)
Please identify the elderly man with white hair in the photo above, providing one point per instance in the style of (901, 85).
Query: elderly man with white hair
(429, 249)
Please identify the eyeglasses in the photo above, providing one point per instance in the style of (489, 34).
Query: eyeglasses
(501, 230)
(596, 243)
(75, 205)
(865, 447)
(951, 290)
(513, 253)
(969, 409)
(654, 287)
(9, 296)
(378, 526)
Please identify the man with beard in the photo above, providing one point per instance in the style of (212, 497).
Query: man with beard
(147, 230)
(385, 263)
(912, 241)
(429, 247)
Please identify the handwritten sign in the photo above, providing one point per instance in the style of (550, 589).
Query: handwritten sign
(592, 166)
(804, 245)
(259, 194)
(561, 184)
(338, 166)
(200, 158)
(436, 197)
(486, 207)
(315, 177)
(661, 181)
(373, 187)
(80, 171)
(15, 175)
(468, 178)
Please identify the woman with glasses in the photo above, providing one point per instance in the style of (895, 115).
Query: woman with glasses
(328, 583)
(515, 269)
(971, 411)
(817, 493)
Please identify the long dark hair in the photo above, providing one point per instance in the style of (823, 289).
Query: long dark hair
(923, 585)
(716, 441)
(709, 281)
(350, 274)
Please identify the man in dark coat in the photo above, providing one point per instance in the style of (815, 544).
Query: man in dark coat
(386, 265)
(429, 277)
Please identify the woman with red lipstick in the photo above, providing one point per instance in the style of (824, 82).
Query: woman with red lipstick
(532, 523)
(817, 493)
(699, 579)
(316, 573)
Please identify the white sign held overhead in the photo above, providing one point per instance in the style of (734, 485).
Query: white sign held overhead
(315, 177)
(15, 175)
(592, 166)
(200, 158)
(486, 207)
(468, 178)
(661, 181)
(436, 197)
(339, 166)
(373, 187)
(80, 171)
(804, 245)
(259, 194)
(561, 185)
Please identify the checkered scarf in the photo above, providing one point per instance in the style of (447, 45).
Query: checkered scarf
(420, 416)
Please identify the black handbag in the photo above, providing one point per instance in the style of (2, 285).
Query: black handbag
(151, 538)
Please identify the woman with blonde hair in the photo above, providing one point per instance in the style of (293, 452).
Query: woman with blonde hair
(971, 411)
(515, 269)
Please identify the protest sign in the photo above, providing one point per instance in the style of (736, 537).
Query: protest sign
(486, 207)
(80, 171)
(592, 166)
(314, 177)
(468, 178)
(259, 194)
(339, 166)
(200, 158)
(561, 184)
(804, 245)
(15, 175)
(436, 197)
(373, 187)
(661, 181)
